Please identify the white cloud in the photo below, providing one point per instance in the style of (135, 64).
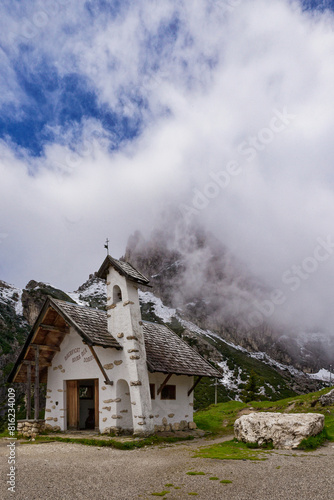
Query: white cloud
(217, 86)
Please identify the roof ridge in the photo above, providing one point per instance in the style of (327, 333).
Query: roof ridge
(79, 305)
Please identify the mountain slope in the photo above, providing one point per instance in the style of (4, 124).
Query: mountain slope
(19, 309)
(193, 272)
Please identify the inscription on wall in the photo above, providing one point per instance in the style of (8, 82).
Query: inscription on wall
(78, 353)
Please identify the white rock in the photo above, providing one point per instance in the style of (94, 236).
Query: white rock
(327, 399)
(285, 430)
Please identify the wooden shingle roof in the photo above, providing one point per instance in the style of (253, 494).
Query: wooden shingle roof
(165, 351)
(92, 323)
(123, 268)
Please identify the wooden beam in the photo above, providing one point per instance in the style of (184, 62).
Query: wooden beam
(28, 392)
(104, 373)
(45, 347)
(53, 328)
(164, 383)
(36, 382)
(40, 364)
(193, 387)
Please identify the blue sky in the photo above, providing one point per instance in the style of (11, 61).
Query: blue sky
(111, 111)
(52, 100)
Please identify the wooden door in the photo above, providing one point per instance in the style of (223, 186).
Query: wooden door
(72, 404)
(96, 402)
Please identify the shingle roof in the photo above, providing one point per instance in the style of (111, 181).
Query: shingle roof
(167, 353)
(92, 323)
(124, 268)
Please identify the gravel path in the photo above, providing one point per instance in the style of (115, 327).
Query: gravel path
(72, 471)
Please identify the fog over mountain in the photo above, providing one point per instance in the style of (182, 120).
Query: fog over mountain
(193, 272)
(122, 116)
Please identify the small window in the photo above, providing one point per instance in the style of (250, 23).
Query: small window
(168, 392)
(117, 294)
(152, 391)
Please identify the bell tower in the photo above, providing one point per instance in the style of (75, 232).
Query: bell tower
(125, 325)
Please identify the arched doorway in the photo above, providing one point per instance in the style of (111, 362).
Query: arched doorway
(123, 405)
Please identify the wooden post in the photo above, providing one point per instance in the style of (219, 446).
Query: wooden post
(164, 383)
(216, 398)
(36, 382)
(195, 385)
(104, 373)
(28, 392)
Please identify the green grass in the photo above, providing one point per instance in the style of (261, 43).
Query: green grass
(193, 473)
(231, 450)
(161, 494)
(219, 419)
(214, 478)
(225, 481)
(113, 443)
(265, 446)
(313, 442)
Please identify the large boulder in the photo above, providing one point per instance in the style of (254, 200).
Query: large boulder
(327, 399)
(285, 430)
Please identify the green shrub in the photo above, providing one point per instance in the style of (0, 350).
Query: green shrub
(313, 442)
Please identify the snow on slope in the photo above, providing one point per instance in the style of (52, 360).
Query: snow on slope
(166, 314)
(323, 374)
(96, 289)
(12, 295)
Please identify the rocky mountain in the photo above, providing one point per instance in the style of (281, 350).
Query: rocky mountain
(19, 309)
(193, 272)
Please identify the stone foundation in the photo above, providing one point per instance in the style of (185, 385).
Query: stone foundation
(177, 426)
(30, 428)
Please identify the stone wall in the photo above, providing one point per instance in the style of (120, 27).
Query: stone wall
(165, 427)
(176, 426)
(30, 428)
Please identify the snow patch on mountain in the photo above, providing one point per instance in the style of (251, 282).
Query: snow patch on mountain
(94, 288)
(229, 379)
(322, 374)
(12, 295)
(167, 313)
(163, 312)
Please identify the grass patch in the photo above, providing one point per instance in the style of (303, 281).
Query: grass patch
(161, 494)
(265, 446)
(113, 443)
(214, 478)
(193, 473)
(225, 481)
(231, 450)
(219, 419)
(313, 442)
(169, 485)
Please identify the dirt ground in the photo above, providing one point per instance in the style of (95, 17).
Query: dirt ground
(72, 471)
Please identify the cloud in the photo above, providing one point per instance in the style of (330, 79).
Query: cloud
(110, 114)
